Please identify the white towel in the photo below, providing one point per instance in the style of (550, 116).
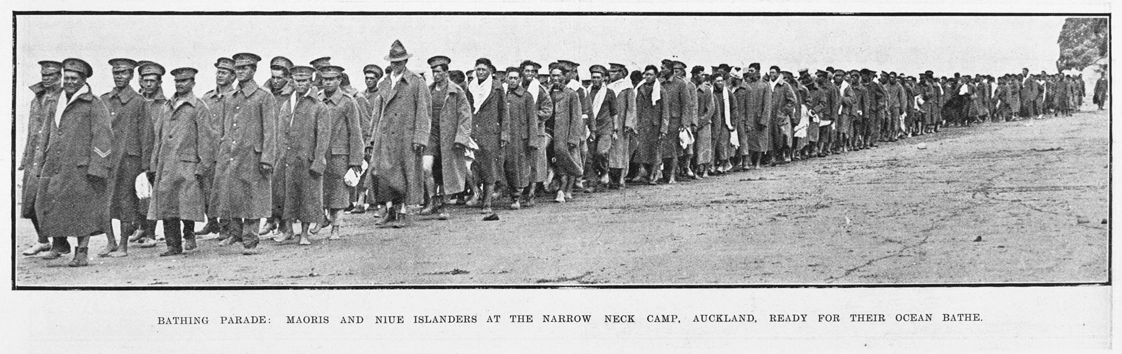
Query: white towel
(656, 93)
(479, 91)
(535, 89)
(685, 138)
(598, 101)
(728, 109)
(143, 188)
(63, 102)
(350, 178)
(804, 122)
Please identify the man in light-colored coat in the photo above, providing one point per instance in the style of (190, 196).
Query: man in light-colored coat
(402, 134)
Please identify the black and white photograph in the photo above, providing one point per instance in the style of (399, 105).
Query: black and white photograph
(952, 152)
(375, 153)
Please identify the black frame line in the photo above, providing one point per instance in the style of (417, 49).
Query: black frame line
(1110, 153)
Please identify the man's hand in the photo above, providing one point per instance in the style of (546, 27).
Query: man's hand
(418, 148)
(459, 146)
(265, 168)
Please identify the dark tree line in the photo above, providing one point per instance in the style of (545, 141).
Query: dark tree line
(1082, 42)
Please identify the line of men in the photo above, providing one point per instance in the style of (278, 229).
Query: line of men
(249, 160)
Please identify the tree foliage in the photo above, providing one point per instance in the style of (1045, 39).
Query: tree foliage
(1082, 42)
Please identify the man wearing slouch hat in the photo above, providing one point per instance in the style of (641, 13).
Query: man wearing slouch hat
(406, 118)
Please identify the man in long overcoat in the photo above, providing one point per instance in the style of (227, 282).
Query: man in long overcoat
(677, 104)
(705, 112)
(782, 107)
(245, 157)
(151, 90)
(280, 85)
(444, 163)
(847, 109)
(43, 106)
(217, 100)
(568, 132)
(1030, 93)
(724, 121)
(754, 121)
(603, 128)
(366, 102)
(522, 127)
(73, 196)
(689, 119)
(1102, 89)
(539, 162)
(307, 134)
(488, 102)
(346, 147)
(653, 121)
(623, 147)
(182, 154)
(402, 134)
(132, 151)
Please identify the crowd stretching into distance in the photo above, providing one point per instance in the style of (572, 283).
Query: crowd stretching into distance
(304, 147)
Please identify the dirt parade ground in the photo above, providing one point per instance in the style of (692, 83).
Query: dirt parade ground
(1023, 201)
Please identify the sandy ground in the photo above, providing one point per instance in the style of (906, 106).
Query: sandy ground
(1005, 202)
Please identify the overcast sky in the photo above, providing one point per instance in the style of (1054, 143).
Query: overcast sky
(903, 44)
(944, 44)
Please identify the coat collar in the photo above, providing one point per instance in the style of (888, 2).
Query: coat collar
(284, 90)
(124, 95)
(407, 78)
(190, 100)
(518, 91)
(335, 98)
(37, 88)
(159, 95)
(247, 87)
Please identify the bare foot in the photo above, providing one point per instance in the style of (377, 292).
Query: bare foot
(108, 249)
(118, 253)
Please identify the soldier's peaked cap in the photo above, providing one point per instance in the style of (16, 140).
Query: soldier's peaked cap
(303, 71)
(597, 68)
(439, 60)
(151, 68)
(78, 65)
(48, 67)
(184, 73)
(319, 63)
(330, 71)
(371, 68)
(280, 63)
(243, 59)
(122, 64)
(225, 63)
